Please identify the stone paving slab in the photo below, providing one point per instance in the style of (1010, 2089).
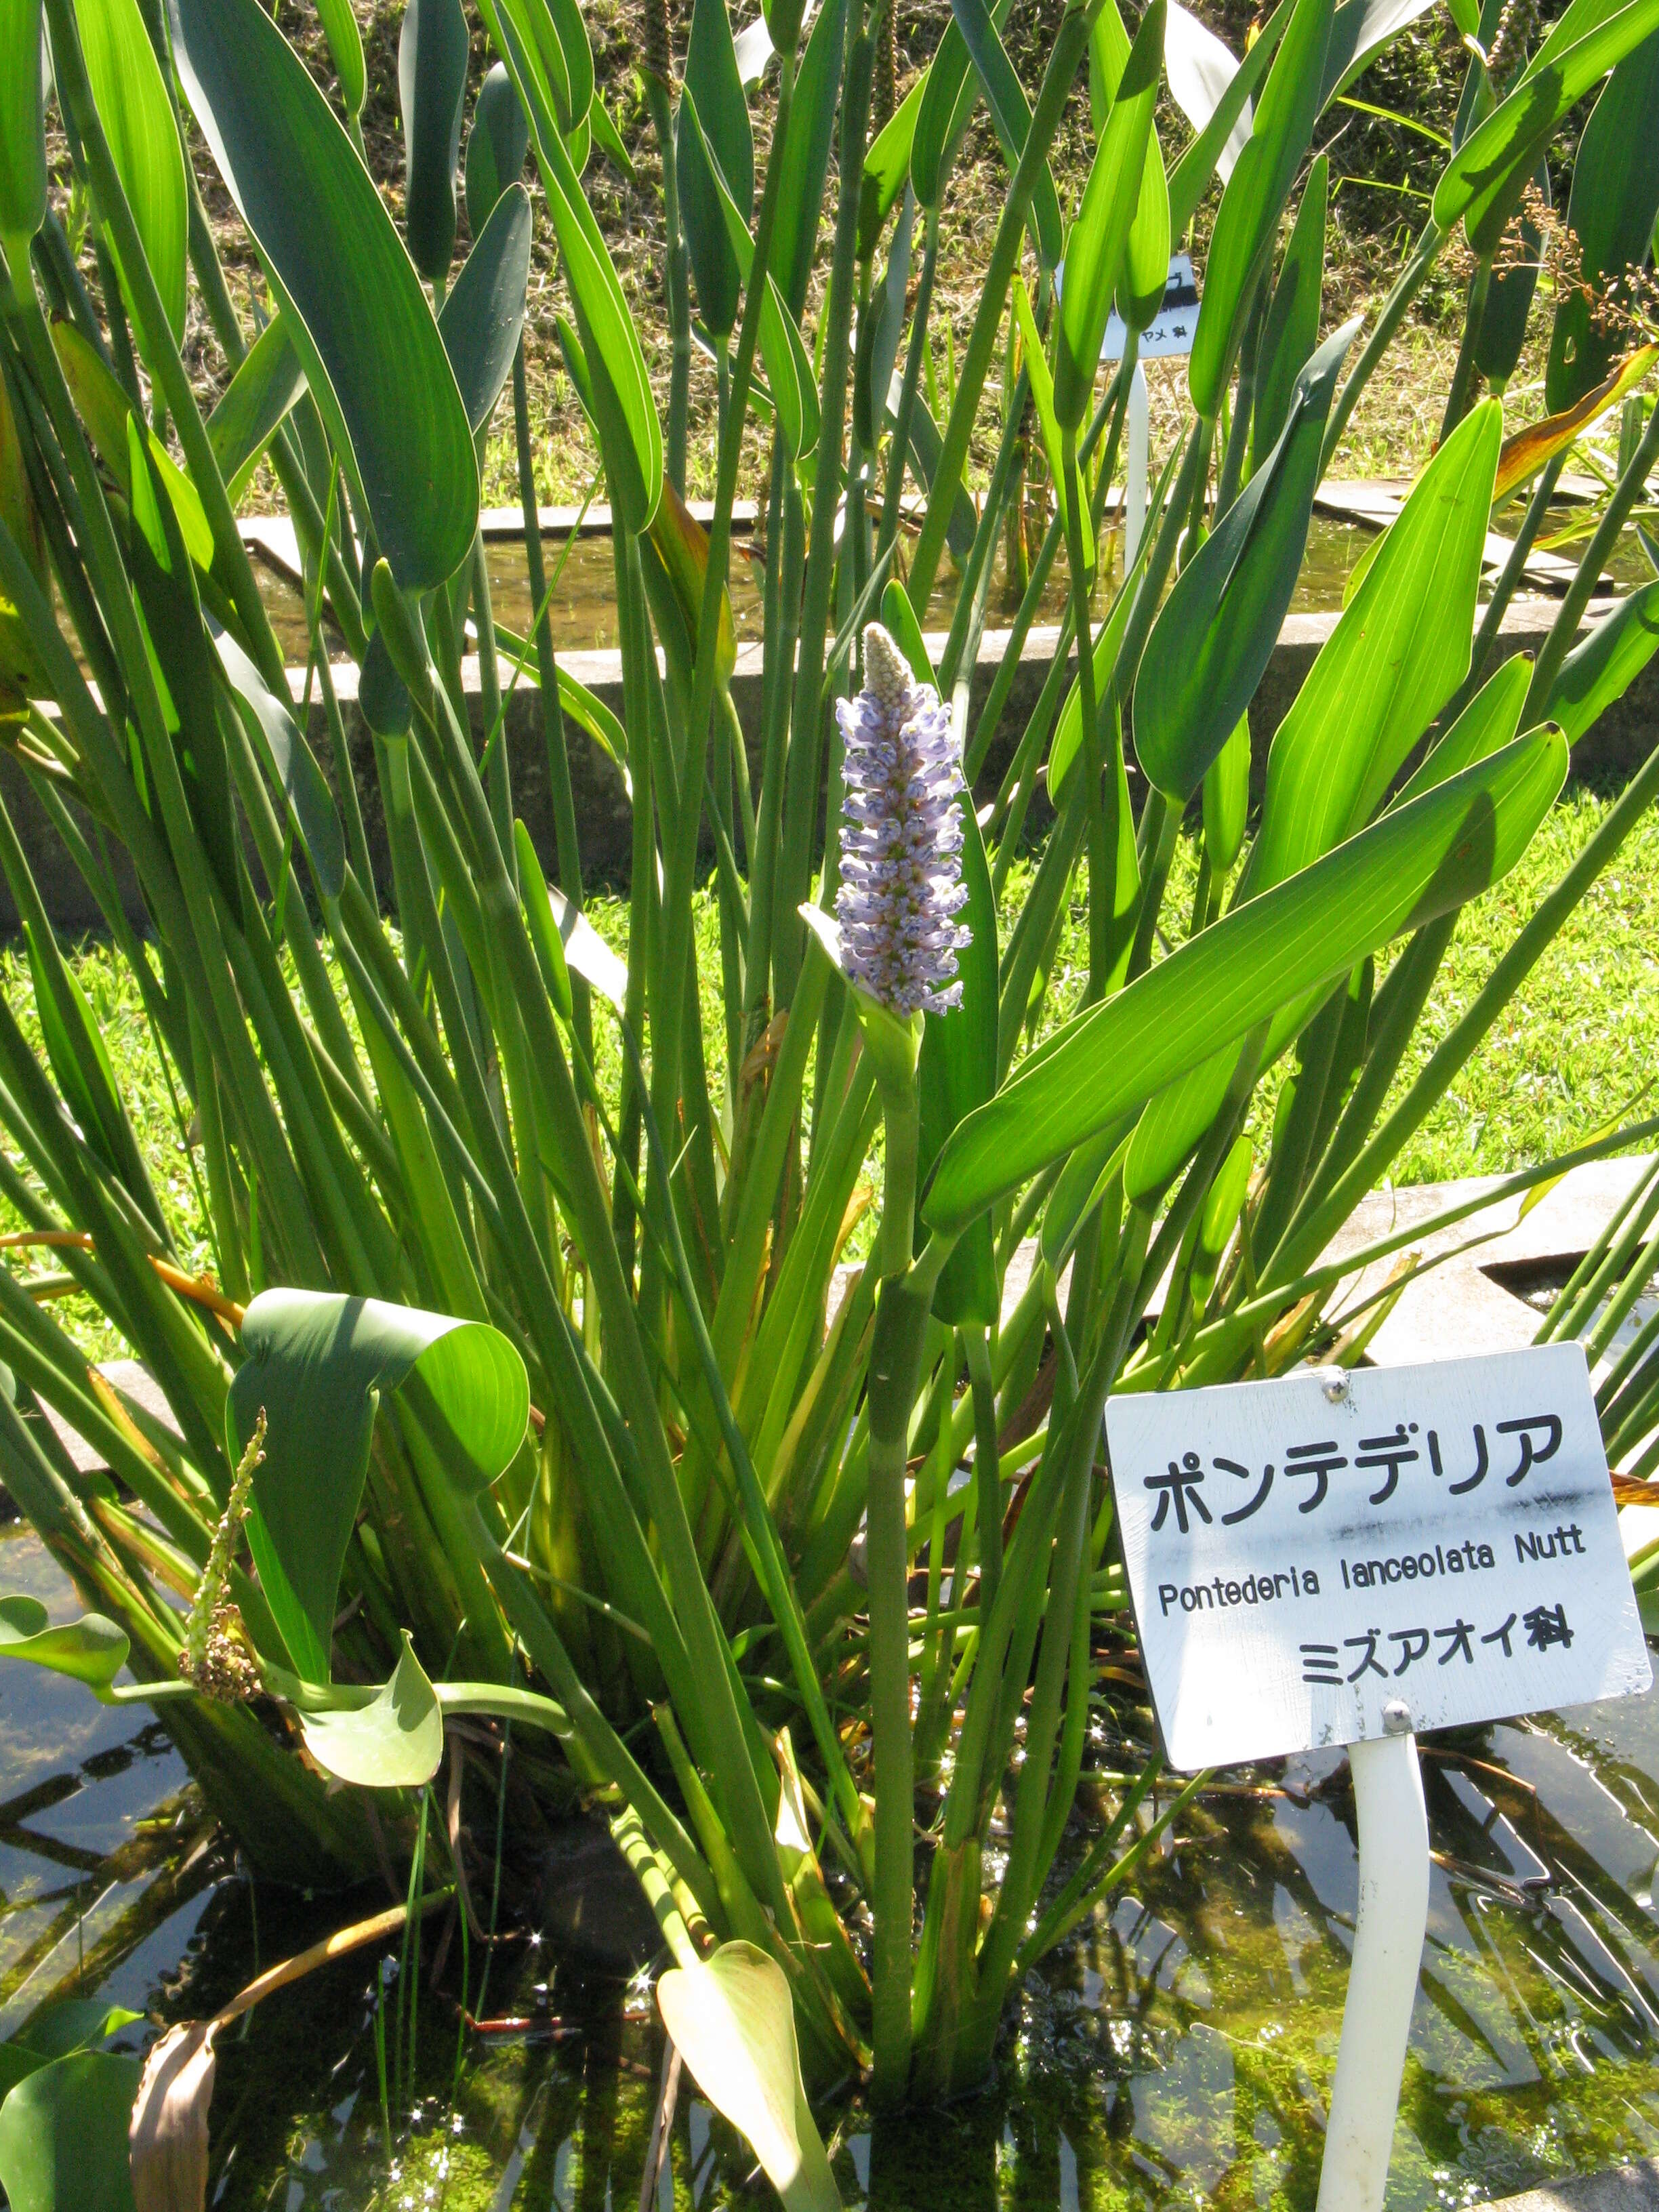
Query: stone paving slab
(1621, 2189)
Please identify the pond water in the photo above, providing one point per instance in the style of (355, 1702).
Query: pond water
(1177, 2053)
(583, 610)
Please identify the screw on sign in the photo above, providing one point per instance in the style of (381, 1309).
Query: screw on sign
(1333, 1559)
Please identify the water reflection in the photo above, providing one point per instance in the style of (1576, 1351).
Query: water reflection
(1178, 2051)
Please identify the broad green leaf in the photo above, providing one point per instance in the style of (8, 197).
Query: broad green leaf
(1485, 726)
(1043, 394)
(278, 738)
(887, 167)
(957, 1069)
(720, 135)
(1601, 668)
(431, 86)
(1360, 29)
(732, 2021)
(1482, 182)
(1420, 862)
(92, 1650)
(484, 315)
(22, 121)
(1011, 113)
(393, 1740)
(56, 2031)
(269, 380)
(137, 115)
(807, 156)
(624, 404)
(1292, 329)
(63, 2135)
(1215, 634)
(1248, 218)
(345, 47)
(355, 307)
(1095, 246)
(949, 95)
(495, 145)
(788, 364)
(1227, 799)
(317, 1363)
(1611, 213)
(1526, 453)
(1398, 652)
(103, 406)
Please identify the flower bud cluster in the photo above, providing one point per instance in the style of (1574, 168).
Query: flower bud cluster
(901, 868)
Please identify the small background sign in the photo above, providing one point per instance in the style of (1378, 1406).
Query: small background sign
(1442, 1536)
(1171, 331)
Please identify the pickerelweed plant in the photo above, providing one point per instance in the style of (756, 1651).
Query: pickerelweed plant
(566, 1403)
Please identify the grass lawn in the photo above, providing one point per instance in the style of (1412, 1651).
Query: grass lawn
(1572, 1055)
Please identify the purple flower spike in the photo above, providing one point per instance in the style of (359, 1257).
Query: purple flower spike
(901, 865)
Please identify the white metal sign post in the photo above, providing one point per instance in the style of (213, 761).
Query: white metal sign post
(1347, 1558)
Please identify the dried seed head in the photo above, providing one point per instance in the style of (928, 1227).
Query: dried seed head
(901, 868)
(1516, 28)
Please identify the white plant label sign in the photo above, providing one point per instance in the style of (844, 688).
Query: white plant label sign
(1438, 1545)
(1170, 331)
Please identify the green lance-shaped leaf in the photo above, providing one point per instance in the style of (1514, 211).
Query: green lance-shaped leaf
(345, 48)
(563, 937)
(1509, 291)
(165, 579)
(317, 1363)
(391, 1740)
(1248, 218)
(1291, 330)
(431, 86)
(732, 2021)
(63, 2135)
(354, 303)
(788, 364)
(1213, 91)
(1146, 275)
(22, 122)
(92, 1650)
(549, 40)
(484, 316)
(104, 407)
(880, 328)
(279, 739)
(1611, 213)
(265, 386)
(719, 134)
(1215, 634)
(1482, 183)
(1419, 861)
(1360, 29)
(1485, 726)
(613, 364)
(958, 1068)
(1042, 396)
(887, 167)
(1227, 799)
(1011, 113)
(807, 156)
(1601, 668)
(1096, 248)
(137, 115)
(495, 145)
(1398, 652)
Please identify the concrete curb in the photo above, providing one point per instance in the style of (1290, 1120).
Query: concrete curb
(1622, 738)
